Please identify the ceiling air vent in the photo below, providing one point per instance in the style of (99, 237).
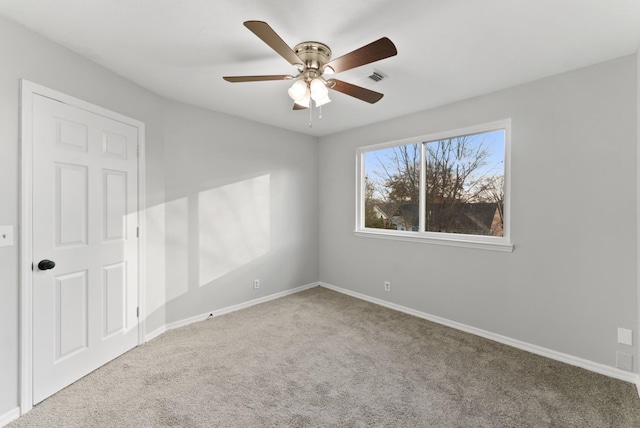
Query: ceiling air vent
(377, 76)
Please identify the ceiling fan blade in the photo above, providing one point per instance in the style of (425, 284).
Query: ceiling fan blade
(236, 79)
(297, 106)
(267, 35)
(359, 92)
(374, 51)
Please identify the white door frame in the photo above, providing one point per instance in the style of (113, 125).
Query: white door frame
(27, 91)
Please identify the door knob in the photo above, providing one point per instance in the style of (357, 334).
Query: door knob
(46, 264)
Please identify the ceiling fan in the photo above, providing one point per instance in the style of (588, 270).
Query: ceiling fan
(313, 61)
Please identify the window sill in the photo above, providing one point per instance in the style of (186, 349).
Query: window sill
(465, 241)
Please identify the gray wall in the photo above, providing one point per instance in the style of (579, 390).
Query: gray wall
(571, 280)
(191, 151)
(241, 204)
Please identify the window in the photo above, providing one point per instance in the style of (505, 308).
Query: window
(449, 188)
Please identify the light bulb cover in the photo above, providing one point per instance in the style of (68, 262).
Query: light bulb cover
(298, 90)
(304, 100)
(322, 101)
(318, 88)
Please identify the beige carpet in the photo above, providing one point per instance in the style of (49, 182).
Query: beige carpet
(322, 359)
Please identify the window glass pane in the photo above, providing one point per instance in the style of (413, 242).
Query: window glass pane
(464, 186)
(392, 188)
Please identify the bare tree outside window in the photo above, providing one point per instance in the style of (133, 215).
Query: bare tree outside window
(463, 189)
(393, 181)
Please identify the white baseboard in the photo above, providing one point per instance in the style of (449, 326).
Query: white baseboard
(10, 416)
(535, 349)
(176, 324)
(155, 333)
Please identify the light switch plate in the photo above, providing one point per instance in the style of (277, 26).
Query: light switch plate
(625, 336)
(6, 236)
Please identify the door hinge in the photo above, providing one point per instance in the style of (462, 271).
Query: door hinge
(138, 312)
(137, 232)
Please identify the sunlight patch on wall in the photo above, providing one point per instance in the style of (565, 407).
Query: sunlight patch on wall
(177, 247)
(155, 250)
(234, 226)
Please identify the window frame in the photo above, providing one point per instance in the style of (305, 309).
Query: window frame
(496, 243)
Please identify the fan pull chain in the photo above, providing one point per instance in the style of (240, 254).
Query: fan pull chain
(310, 114)
(320, 114)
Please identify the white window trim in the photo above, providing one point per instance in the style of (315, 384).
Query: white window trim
(495, 243)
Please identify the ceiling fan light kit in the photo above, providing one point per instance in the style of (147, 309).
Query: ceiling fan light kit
(313, 60)
(298, 90)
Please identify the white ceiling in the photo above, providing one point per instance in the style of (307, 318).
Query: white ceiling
(448, 50)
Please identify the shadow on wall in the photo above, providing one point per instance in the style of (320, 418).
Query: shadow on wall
(227, 227)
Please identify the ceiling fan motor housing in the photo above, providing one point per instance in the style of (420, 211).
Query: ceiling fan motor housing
(313, 54)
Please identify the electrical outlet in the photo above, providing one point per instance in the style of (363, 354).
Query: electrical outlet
(624, 361)
(387, 286)
(256, 284)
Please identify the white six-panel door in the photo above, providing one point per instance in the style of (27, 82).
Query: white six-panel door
(85, 220)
